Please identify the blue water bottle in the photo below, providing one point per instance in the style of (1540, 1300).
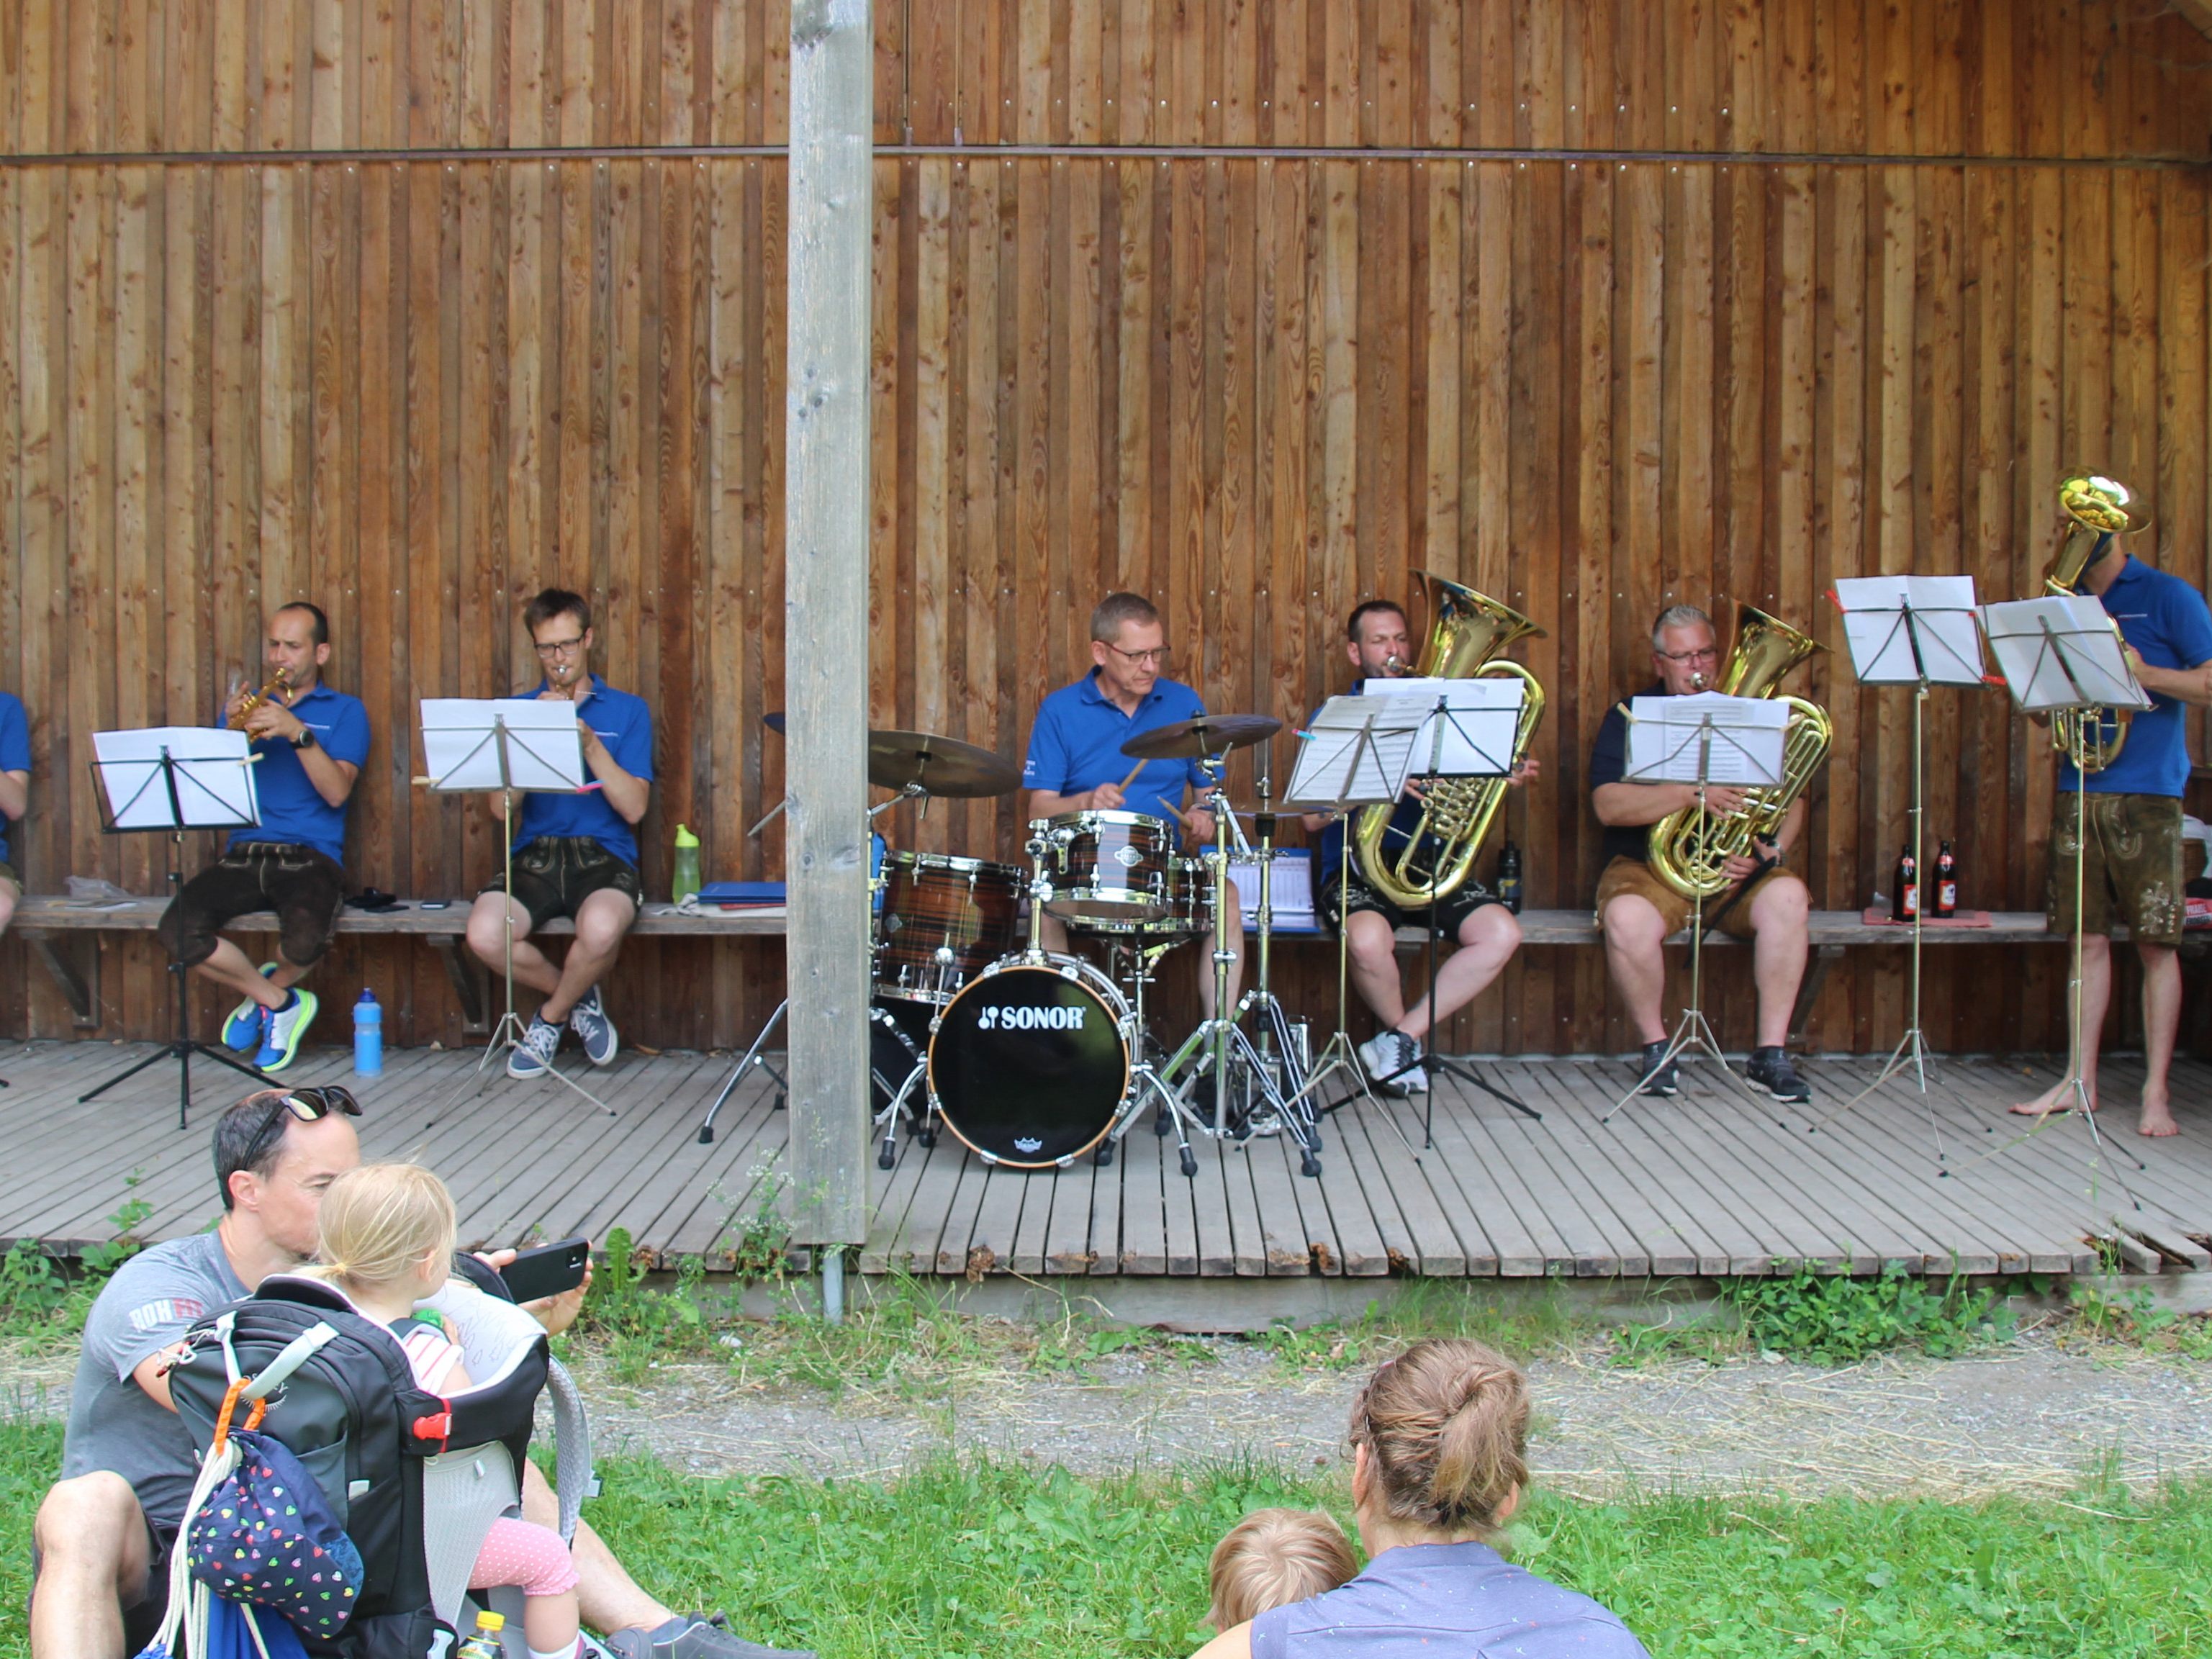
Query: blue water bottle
(368, 1036)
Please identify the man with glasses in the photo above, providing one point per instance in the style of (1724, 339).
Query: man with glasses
(101, 1541)
(309, 744)
(1075, 761)
(575, 854)
(1638, 912)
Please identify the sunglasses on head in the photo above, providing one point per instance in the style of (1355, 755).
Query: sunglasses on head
(304, 1105)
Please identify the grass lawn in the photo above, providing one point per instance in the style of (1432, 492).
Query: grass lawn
(1011, 1562)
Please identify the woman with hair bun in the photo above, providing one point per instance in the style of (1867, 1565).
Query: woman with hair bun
(1439, 1442)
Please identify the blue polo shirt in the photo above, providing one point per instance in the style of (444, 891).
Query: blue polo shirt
(293, 811)
(2166, 621)
(625, 726)
(1076, 744)
(14, 757)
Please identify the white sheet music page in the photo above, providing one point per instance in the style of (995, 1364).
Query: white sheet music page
(215, 777)
(461, 749)
(1667, 736)
(2061, 651)
(1881, 639)
(1354, 753)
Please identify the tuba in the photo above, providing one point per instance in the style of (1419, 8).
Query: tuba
(281, 681)
(1689, 848)
(2096, 511)
(1467, 632)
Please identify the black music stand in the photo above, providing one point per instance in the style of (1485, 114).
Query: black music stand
(167, 799)
(1472, 757)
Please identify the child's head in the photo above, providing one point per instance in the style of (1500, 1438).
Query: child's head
(1272, 1558)
(384, 1226)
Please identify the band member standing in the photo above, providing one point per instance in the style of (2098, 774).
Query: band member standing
(1637, 912)
(575, 854)
(2131, 869)
(1075, 763)
(15, 796)
(309, 743)
(1379, 645)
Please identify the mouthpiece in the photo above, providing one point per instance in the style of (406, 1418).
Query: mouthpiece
(1394, 666)
(1696, 682)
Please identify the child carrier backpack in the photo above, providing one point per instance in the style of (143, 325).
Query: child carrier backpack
(412, 1479)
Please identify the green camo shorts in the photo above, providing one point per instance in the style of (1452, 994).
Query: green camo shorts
(2133, 871)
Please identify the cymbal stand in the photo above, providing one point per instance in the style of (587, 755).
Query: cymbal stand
(755, 1056)
(1278, 1033)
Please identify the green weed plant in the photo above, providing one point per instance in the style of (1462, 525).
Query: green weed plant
(1833, 1319)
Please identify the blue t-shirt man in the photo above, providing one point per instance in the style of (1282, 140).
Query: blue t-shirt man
(14, 757)
(293, 811)
(1076, 745)
(2167, 623)
(624, 724)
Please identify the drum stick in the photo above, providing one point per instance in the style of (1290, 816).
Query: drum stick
(1132, 778)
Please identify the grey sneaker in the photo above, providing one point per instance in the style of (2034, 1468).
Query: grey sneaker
(588, 1020)
(694, 1636)
(1771, 1069)
(532, 1057)
(1660, 1080)
(1392, 1062)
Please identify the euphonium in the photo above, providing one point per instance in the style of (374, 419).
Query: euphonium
(1690, 848)
(2096, 511)
(1467, 631)
(281, 681)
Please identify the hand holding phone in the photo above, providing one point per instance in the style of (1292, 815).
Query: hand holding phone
(547, 1270)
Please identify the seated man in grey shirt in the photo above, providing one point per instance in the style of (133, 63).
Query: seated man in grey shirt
(101, 1541)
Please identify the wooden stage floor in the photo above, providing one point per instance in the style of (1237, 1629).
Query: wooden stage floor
(1708, 1183)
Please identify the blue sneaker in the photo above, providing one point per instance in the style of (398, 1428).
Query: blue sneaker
(241, 1032)
(532, 1057)
(588, 1020)
(286, 1027)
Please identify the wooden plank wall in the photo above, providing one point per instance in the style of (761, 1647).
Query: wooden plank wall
(1256, 308)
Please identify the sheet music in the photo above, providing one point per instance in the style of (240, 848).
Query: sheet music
(1665, 735)
(1352, 753)
(1881, 638)
(1293, 888)
(1474, 738)
(2061, 651)
(543, 750)
(213, 777)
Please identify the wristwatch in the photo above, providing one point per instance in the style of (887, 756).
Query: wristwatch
(306, 740)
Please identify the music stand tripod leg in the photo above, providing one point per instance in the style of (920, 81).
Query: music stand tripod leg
(752, 1057)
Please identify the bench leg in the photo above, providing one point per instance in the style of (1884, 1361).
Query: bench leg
(1816, 975)
(460, 968)
(74, 965)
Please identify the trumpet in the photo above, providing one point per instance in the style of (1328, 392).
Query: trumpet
(279, 682)
(2097, 511)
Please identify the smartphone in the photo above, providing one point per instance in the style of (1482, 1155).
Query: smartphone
(547, 1269)
(437, 904)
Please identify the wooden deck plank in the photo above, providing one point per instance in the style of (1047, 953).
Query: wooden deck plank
(1660, 1245)
(1602, 1246)
(914, 1249)
(1247, 1250)
(1465, 1149)
(1065, 1241)
(1381, 1167)
(1360, 1248)
(1210, 1207)
(949, 1253)
(1147, 1162)
(1273, 1161)
(997, 1219)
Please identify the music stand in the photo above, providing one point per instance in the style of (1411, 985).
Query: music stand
(2058, 653)
(1918, 631)
(505, 743)
(147, 786)
(1353, 753)
(1701, 739)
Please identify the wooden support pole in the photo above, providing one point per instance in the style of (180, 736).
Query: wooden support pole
(826, 612)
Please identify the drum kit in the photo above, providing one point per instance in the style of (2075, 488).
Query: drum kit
(1033, 1057)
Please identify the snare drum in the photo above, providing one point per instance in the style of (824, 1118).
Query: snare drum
(943, 920)
(1030, 1063)
(1107, 868)
(1189, 909)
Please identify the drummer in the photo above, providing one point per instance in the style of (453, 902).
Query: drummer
(1076, 764)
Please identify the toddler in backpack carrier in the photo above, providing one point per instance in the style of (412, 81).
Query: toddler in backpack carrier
(387, 1238)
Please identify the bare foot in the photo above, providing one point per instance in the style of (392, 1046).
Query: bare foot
(2058, 1097)
(2157, 1116)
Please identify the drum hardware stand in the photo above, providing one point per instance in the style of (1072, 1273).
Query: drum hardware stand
(1339, 1053)
(1693, 1030)
(1277, 1033)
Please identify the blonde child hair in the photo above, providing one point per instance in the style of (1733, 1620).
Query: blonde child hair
(378, 1223)
(1272, 1558)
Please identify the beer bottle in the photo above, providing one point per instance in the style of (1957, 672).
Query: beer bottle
(1906, 903)
(1509, 878)
(1946, 883)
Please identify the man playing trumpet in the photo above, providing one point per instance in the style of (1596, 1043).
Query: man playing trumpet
(1638, 911)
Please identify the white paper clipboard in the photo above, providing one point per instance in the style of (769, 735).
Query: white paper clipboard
(490, 743)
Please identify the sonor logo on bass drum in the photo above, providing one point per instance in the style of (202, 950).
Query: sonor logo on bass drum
(995, 1017)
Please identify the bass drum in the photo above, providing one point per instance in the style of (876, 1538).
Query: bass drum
(1029, 1064)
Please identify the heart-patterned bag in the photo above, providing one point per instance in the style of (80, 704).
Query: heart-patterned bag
(265, 1534)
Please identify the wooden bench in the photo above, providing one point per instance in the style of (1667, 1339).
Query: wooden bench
(62, 934)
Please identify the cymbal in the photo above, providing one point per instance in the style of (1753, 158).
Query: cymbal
(943, 766)
(1194, 739)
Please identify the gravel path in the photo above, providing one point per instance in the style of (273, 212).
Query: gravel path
(2030, 1417)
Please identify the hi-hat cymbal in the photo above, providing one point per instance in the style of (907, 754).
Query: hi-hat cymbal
(942, 766)
(1194, 739)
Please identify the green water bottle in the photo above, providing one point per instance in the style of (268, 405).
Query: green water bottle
(687, 865)
(485, 1642)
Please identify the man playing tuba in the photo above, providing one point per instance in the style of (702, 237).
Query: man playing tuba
(1637, 911)
(1379, 645)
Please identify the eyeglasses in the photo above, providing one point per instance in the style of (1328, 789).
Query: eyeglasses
(303, 1106)
(1157, 657)
(1703, 654)
(553, 648)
